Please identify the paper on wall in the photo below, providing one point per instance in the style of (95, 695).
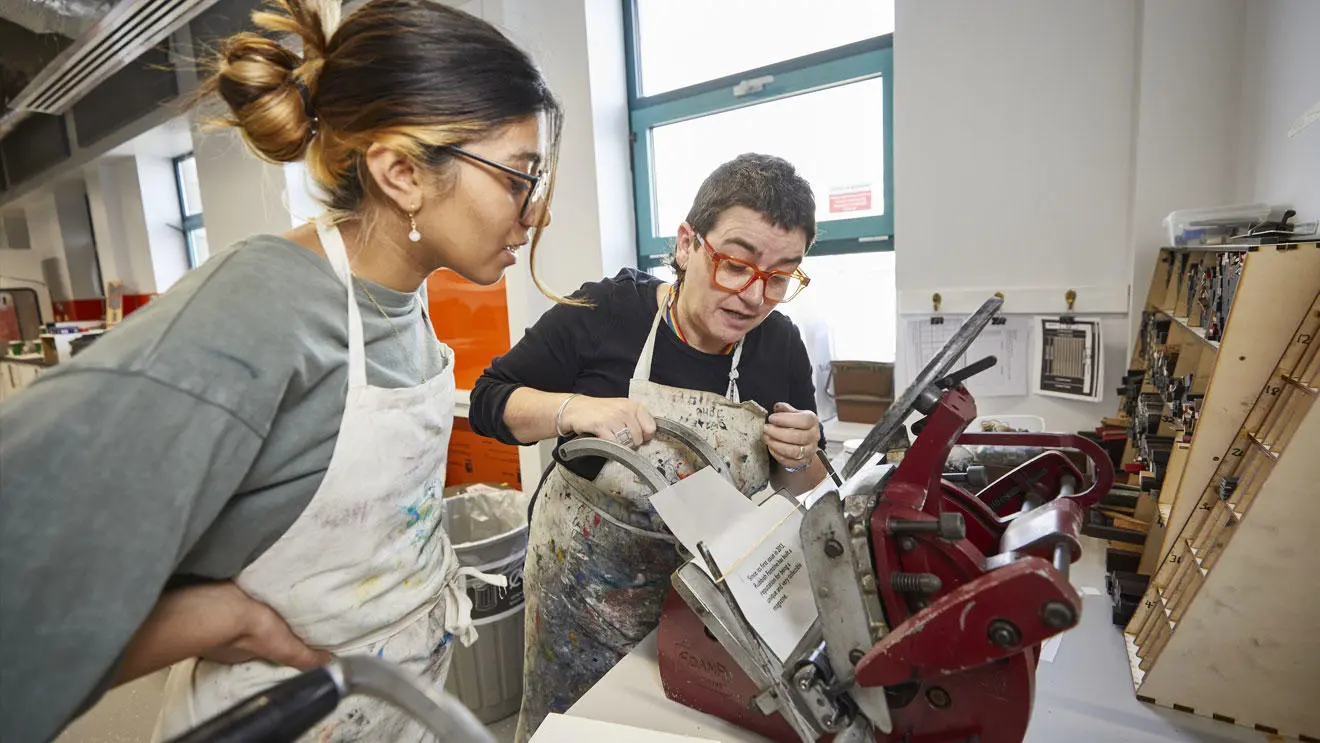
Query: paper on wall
(1070, 354)
(1006, 338)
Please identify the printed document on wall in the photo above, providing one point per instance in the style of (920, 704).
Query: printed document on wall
(1008, 339)
(1071, 358)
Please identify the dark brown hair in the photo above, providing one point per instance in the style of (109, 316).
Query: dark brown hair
(765, 184)
(413, 75)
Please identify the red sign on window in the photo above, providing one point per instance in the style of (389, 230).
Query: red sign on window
(850, 201)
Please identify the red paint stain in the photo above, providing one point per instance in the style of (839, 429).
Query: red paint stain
(596, 521)
(586, 532)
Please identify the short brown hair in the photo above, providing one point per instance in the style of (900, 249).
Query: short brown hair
(765, 184)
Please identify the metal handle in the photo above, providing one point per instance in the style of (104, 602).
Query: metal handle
(935, 369)
(280, 713)
(285, 711)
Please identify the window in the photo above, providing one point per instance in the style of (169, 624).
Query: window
(190, 208)
(812, 83)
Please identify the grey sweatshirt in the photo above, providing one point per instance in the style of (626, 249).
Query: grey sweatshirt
(181, 444)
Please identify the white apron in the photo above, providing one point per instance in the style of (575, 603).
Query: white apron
(366, 568)
(599, 558)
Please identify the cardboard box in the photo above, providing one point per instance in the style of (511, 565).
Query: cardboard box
(873, 379)
(862, 408)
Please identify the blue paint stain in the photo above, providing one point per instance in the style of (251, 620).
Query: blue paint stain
(446, 639)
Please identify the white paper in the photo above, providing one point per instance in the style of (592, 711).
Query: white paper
(1050, 648)
(761, 556)
(925, 339)
(1070, 358)
(700, 507)
(557, 728)
(758, 548)
(1008, 341)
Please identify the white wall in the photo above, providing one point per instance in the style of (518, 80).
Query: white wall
(1281, 80)
(242, 196)
(71, 207)
(579, 47)
(1013, 146)
(22, 268)
(1187, 131)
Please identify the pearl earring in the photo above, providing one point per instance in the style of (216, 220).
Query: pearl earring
(413, 234)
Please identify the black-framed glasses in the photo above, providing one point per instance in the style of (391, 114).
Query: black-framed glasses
(536, 183)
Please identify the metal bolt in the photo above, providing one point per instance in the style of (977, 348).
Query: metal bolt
(907, 544)
(833, 548)
(823, 592)
(952, 526)
(1057, 615)
(949, 526)
(938, 697)
(1004, 633)
(804, 684)
(858, 529)
(915, 582)
(856, 656)
(868, 584)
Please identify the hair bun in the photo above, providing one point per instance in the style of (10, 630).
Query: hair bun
(269, 87)
(256, 79)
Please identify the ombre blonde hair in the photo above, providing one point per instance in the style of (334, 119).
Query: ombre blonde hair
(411, 75)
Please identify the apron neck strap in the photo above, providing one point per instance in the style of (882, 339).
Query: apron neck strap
(642, 372)
(335, 251)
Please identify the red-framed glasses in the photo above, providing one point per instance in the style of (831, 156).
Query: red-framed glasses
(734, 276)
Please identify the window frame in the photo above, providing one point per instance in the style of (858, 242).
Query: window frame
(190, 222)
(855, 62)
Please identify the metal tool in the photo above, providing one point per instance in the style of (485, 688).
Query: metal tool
(932, 600)
(291, 708)
(589, 446)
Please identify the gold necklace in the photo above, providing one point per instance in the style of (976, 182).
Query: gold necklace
(390, 321)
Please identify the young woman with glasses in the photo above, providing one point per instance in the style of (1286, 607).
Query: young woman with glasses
(248, 473)
(708, 352)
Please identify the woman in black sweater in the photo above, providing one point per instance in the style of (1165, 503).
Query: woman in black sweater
(708, 352)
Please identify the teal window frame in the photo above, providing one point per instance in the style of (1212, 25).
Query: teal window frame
(191, 222)
(862, 60)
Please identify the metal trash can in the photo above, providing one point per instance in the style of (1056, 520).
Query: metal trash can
(488, 527)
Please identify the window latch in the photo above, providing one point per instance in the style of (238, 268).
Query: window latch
(754, 85)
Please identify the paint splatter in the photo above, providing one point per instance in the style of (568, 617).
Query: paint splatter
(559, 555)
(596, 521)
(586, 532)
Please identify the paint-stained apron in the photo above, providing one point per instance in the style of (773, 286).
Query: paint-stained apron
(599, 558)
(366, 568)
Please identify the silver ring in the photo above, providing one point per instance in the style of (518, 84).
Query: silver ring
(624, 436)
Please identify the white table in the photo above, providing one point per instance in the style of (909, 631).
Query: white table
(1083, 696)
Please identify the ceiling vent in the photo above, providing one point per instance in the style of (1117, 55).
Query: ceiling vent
(130, 28)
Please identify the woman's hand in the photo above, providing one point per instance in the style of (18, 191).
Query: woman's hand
(611, 418)
(792, 435)
(216, 621)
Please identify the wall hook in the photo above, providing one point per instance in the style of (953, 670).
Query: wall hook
(935, 299)
(1071, 297)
